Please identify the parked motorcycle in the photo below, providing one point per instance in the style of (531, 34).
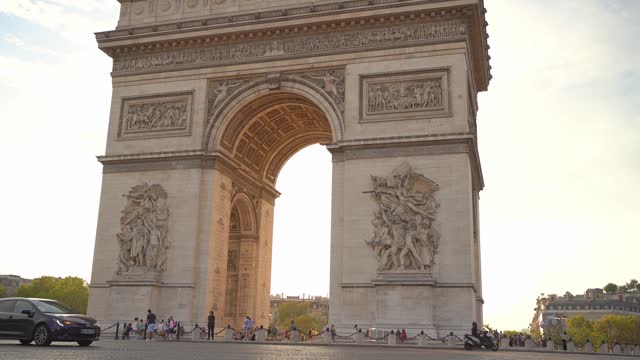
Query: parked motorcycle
(485, 341)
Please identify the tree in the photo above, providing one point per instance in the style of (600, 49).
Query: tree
(301, 312)
(631, 285)
(72, 291)
(2, 291)
(611, 288)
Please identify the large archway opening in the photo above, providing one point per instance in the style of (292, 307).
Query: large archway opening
(258, 139)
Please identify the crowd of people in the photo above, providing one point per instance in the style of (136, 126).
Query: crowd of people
(141, 329)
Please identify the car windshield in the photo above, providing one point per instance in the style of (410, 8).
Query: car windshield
(52, 307)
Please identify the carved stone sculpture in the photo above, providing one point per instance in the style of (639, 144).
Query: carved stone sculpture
(400, 96)
(404, 237)
(332, 82)
(219, 91)
(156, 115)
(144, 228)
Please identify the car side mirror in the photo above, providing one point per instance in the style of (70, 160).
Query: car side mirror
(29, 313)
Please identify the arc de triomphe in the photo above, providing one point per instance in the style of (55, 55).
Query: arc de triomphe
(212, 97)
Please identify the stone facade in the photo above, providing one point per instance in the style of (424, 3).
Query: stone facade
(212, 97)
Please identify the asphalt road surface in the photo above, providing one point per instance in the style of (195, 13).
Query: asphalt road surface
(160, 350)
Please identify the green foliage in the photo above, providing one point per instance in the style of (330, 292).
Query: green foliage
(611, 288)
(535, 333)
(2, 291)
(301, 312)
(72, 291)
(511, 332)
(611, 328)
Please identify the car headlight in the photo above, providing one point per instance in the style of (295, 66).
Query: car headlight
(64, 322)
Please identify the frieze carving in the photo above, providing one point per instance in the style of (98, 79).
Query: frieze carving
(156, 115)
(144, 226)
(399, 96)
(251, 51)
(404, 237)
(405, 95)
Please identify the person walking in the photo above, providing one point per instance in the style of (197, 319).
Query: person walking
(248, 325)
(211, 325)
(151, 324)
(403, 336)
(564, 341)
(332, 330)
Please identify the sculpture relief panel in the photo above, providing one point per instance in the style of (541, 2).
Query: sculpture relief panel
(144, 226)
(404, 236)
(282, 48)
(404, 96)
(156, 116)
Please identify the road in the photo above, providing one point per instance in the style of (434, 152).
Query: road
(159, 350)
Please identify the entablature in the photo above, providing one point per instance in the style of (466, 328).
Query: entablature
(345, 27)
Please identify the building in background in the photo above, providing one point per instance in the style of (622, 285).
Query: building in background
(11, 284)
(553, 310)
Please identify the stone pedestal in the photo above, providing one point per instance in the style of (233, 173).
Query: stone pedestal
(391, 339)
(504, 343)
(195, 334)
(551, 345)
(528, 344)
(327, 337)
(588, 347)
(604, 348)
(422, 340)
(358, 338)
(294, 336)
(228, 334)
(451, 341)
(571, 346)
(617, 349)
(261, 335)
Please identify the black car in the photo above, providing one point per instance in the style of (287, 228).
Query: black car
(43, 321)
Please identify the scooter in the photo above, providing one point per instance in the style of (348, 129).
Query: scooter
(486, 341)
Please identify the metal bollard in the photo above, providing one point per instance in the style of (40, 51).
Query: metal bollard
(178, 331)
(117, 329)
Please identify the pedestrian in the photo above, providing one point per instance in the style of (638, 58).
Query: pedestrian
(293, 335)
(403, 336)
(141, 329)
(332, 330)
(248, 325)
(211, 325)
(564, 341)
(151, 323)
(172, 327)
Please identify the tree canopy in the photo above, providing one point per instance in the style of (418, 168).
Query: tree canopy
(611, 288)
(301, 312)
(72, 291)
(2, 291)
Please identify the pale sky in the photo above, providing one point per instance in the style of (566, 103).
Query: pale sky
(559, 134)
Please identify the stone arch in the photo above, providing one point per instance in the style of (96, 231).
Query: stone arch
(243, 98)
(248, 224)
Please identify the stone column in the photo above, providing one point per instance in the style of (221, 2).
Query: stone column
(504, 343)
(571, 346)
(617, 349)
(327, 337)
(391, 339)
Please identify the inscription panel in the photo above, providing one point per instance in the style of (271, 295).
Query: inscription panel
(156, 116)
(405, 96)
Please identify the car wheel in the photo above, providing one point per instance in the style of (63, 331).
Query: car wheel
(42, 335)
(84, 342)
(25, 342)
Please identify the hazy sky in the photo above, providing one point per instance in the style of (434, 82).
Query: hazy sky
(559, 140)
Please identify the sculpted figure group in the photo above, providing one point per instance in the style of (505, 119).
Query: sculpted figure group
(405, 95)
(144, 228)
(404, 237)
(151, 116)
